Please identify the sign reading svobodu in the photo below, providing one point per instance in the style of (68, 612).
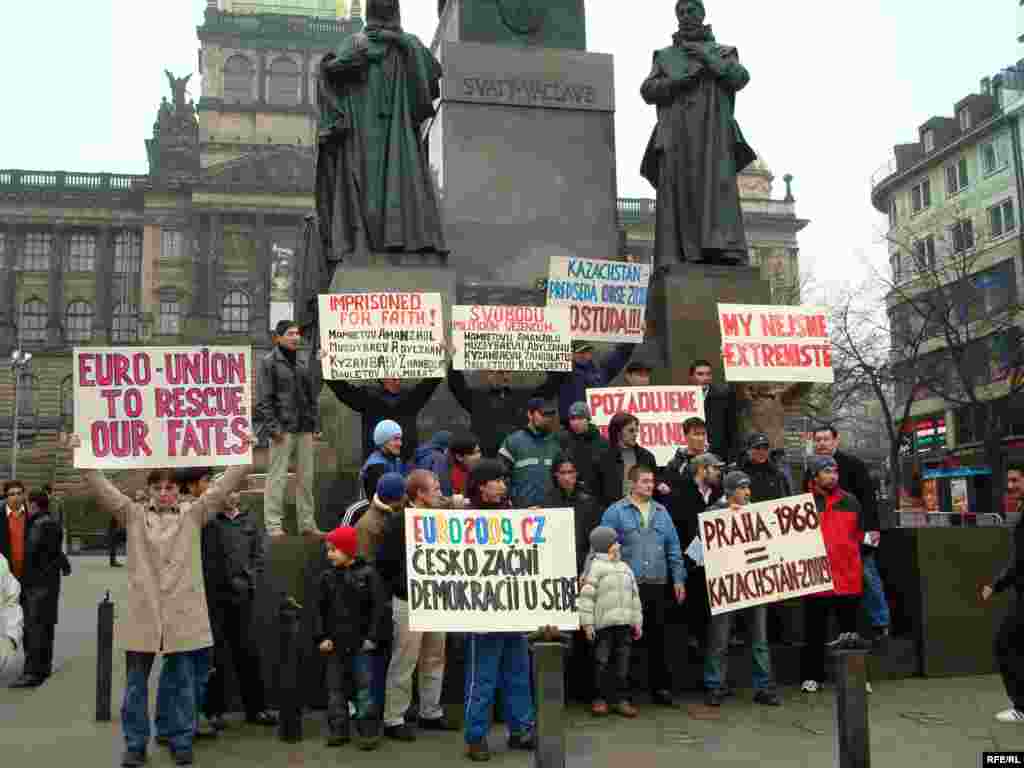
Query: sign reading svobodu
(661, 410)
(382, 335)
(768, 343)
(765, 553)
(511, 338)
(162, 406)
(508, 570)
(607, 299)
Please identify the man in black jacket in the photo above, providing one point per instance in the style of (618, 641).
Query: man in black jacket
(582, 442)
(1010, 638)
(497, 409)
(720, 410)
(40, 590)
(767, 481)
(233, 562)
(854, 478)
(288, 413)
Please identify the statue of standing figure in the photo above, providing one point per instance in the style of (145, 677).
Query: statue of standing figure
(697, 149)
(374, 189)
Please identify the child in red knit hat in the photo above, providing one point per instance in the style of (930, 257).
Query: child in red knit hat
(350, 612)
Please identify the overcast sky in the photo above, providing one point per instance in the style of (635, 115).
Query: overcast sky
(834, 85)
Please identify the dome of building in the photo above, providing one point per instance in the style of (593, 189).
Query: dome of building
(756, 180)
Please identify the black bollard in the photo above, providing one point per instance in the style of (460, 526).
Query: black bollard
(104, 658)
(852, 743)
(549, 690)
(290, 724)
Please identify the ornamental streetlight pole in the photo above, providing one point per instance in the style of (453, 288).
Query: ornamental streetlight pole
(19, 362)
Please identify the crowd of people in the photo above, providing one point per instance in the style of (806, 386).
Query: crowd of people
(195, 558)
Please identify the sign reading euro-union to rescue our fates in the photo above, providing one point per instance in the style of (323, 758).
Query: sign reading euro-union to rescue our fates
(507, 570)
(769, 343)
(145, 407)
(607, 299)
(367, 336)
(763, 553)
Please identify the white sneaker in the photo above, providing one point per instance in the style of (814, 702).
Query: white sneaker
(867, 687)
(809, 686)
(1011, 716)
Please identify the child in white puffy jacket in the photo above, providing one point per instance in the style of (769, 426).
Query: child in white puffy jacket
(612, 618)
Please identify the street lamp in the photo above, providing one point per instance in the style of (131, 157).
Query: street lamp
(20, 360)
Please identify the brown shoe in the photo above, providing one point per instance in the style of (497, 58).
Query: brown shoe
(599, 708)
(626, 709)
(479, 752)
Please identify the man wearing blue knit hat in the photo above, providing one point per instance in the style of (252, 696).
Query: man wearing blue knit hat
(386, 457)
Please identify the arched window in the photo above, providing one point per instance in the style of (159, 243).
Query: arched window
(36, 257)
(78, 321)
(170, 312)
(126, 323)
(127, 253)
(82, 252)
(237, 80)
(33, 321)
(284, 84)
(234, 313)
(26, 396)
(67, 404)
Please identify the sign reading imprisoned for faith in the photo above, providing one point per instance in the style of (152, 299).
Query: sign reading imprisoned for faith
(607, 300)
(162, 406)
(370, 336)
(768, 343)
(511, 338)
(507, 570)
(763, 553)
(661, 410)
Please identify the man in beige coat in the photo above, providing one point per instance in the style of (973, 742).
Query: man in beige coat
(166, 609)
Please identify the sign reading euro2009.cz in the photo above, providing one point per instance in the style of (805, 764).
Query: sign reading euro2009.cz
(763, 553)
(150, 407)
(607, 300)
(533, 339)
(770, 343)
(368, 336)
(507, 570)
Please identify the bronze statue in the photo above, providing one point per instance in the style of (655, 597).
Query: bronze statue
(178, 86)
(374, 189)
(697, 149)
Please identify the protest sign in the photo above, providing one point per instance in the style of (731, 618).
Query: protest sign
(511, 338)
(661, 410)
(767, 343)
(607, 299)
(371, 336)
(765, 553)
(507, 570)
(162, 406)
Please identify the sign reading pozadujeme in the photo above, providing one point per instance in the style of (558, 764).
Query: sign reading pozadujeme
(511, 338)
(769, 343)
(763, 553)
(507, 570)
(162, 406)
(661, 411)
(607, 299)
(370, 336)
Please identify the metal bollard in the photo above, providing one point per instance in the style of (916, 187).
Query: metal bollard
(290, 724)
(104, 658)
(549, 687)
(852, 742)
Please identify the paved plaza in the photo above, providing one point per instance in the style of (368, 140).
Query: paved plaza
(943, 722)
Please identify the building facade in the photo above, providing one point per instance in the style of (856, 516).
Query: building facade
(952, 198)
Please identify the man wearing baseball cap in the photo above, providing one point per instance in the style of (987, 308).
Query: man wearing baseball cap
(842, 526)
(737, 496)
(529, 453)
(767, 482)
(582, 442)
(638, 374)
(588, 374)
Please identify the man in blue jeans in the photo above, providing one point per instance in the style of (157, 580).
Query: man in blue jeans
(855, 479)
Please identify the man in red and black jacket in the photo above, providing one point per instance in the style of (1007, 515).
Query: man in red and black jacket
(842, 527)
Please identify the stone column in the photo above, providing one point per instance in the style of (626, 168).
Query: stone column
(9, 288)
(261, 78)
(55, 288)
(102, 319)
(305, 95)
(259, 283)
(211, 268)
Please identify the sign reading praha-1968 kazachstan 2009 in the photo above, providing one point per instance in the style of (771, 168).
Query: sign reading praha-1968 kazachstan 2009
(607, 299)
(162, 406)
(763, 553)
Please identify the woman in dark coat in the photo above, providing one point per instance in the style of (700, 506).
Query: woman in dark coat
(612, 466)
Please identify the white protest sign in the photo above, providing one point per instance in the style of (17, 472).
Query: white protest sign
(661, 411)
(144, 407)
(511, 338)
(505, 570)
(371, 336)
(769, 343)
(765, 553)
(607, 299)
